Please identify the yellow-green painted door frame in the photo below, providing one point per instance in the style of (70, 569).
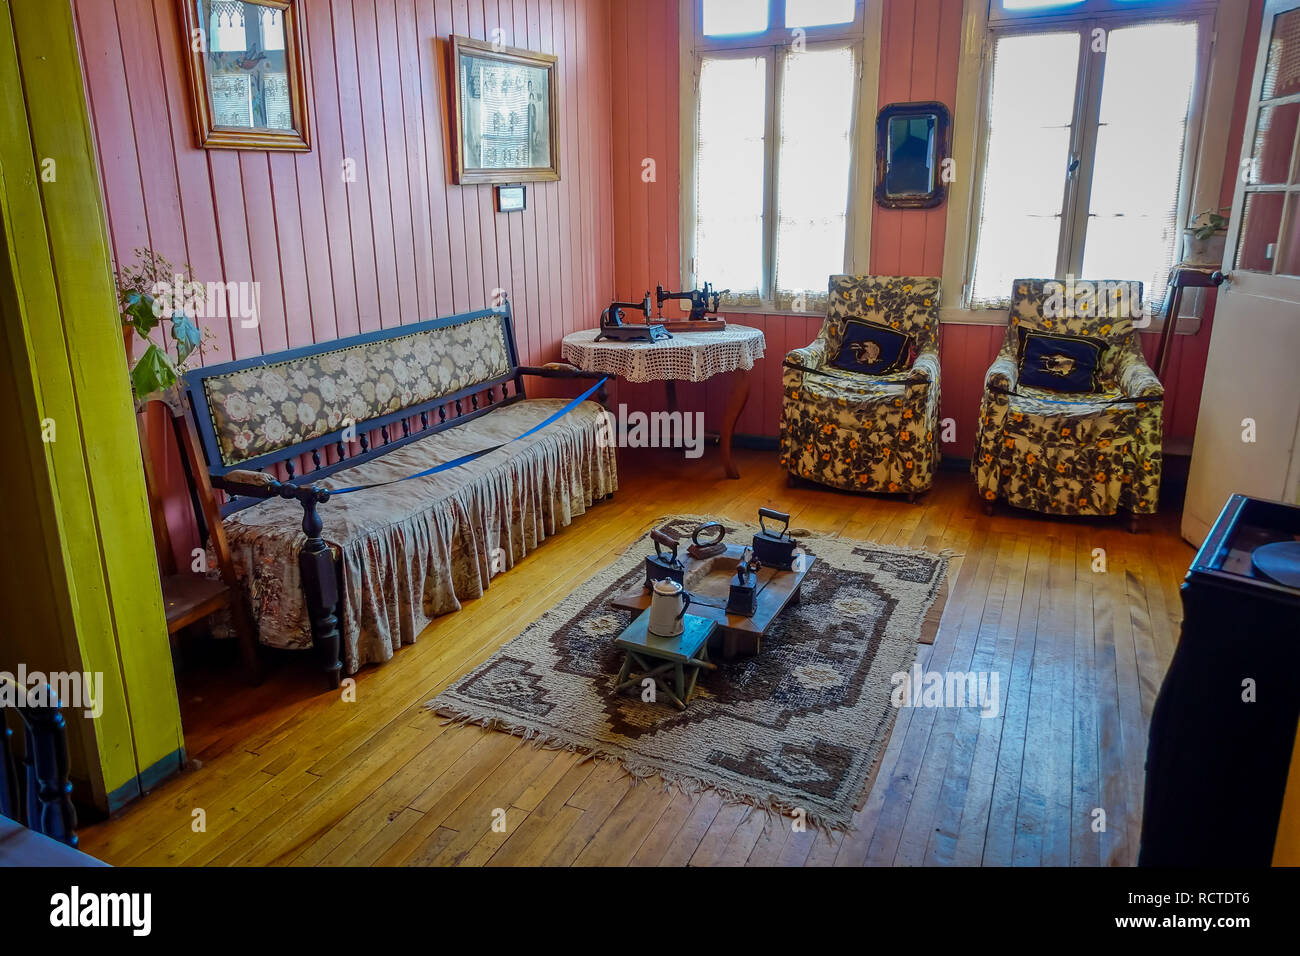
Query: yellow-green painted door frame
(79, 587)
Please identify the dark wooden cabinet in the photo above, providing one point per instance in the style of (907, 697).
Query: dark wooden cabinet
(1224, 723)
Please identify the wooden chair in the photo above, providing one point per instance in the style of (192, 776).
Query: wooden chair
(189, 596)
(35, 792)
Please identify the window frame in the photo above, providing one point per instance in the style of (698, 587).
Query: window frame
(858, 36)
(1087, 9)
(1290, 189)
(1077, 193)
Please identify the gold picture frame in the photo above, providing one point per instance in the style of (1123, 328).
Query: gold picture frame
(503, 128)
(246, 76)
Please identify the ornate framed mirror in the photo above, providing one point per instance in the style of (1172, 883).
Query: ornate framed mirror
(912, 142)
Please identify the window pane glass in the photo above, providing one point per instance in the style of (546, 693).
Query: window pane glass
(729, 174)
(722, 17)
(1288, 257)
(1270, 158)
(813, 168)
(1282, 70)
(816, 13)
(1260, 222)
(1031, 107)
(1132, 228)
(1038, 5)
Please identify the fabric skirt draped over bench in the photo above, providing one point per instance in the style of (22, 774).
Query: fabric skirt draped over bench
(413, 550)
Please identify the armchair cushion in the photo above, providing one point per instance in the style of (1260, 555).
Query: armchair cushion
(872, 348)
(1059, 363)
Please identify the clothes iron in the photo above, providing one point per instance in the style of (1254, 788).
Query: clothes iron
(663, 564)
(743, 599)
(774, 550)
(713, 533)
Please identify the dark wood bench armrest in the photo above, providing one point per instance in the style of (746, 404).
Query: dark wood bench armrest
(557, 370)
(565, 370)
(250, 484)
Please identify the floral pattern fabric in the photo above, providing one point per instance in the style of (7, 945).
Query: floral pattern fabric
(866, 432)
(410, 551)
(265, 408)
(1072, 454)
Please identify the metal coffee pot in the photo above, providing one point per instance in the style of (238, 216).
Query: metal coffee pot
(668, 604)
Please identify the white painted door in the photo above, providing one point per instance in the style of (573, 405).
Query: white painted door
(1248, 431)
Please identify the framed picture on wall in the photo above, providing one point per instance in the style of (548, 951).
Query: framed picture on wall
(247, 88)
(504, 108)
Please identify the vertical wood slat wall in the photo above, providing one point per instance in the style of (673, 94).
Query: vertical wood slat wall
(399, 244)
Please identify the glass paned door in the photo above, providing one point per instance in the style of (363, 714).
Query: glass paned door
(1267, 220)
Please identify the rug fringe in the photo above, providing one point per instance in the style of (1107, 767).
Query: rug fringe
(773, 808)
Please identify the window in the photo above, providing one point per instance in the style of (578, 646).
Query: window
(776, 90)
(1085, 167)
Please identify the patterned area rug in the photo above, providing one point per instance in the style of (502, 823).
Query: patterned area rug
(796, 727)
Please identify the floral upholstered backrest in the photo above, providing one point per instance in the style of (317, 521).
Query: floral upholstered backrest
(268, 407)
(907, 303)
(1101, 308)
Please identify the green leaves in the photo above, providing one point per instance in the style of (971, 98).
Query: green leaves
(140, 314)
(153, 373)
(186, 334)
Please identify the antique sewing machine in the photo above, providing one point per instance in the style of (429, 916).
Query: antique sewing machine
(703, 301)
(613, 327)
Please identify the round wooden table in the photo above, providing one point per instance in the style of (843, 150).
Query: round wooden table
(686, 357)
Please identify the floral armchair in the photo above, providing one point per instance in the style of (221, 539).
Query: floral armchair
(858, 431)
(1089, 453)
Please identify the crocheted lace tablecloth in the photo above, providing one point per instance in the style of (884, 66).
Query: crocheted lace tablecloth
(687, 356)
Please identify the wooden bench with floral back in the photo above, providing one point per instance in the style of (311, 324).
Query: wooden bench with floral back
(316, 410)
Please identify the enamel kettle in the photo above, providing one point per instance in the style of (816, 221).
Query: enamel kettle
(668, 604)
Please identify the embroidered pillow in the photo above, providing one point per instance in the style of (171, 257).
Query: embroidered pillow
(1059, 363)
(872, 348)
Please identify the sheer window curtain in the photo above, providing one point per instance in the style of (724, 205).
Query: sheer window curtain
(1131, 227)
(813, 168)
(809, 175)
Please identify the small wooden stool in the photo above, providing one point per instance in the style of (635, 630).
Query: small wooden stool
(688, 650)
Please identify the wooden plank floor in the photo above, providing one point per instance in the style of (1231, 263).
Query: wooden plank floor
(288, 774)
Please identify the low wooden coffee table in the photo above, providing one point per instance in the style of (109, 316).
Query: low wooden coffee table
(708, 582)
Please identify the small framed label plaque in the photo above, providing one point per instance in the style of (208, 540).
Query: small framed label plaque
(511, 199)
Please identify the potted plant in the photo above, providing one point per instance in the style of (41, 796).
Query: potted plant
(151, 291)
(1204, 238)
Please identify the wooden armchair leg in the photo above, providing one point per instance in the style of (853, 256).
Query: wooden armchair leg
(988, 508)
(1133, 523)
(247, 636)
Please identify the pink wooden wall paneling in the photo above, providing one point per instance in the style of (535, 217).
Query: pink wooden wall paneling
(397, 245)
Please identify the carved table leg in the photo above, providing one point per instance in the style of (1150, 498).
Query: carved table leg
(735, 404)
